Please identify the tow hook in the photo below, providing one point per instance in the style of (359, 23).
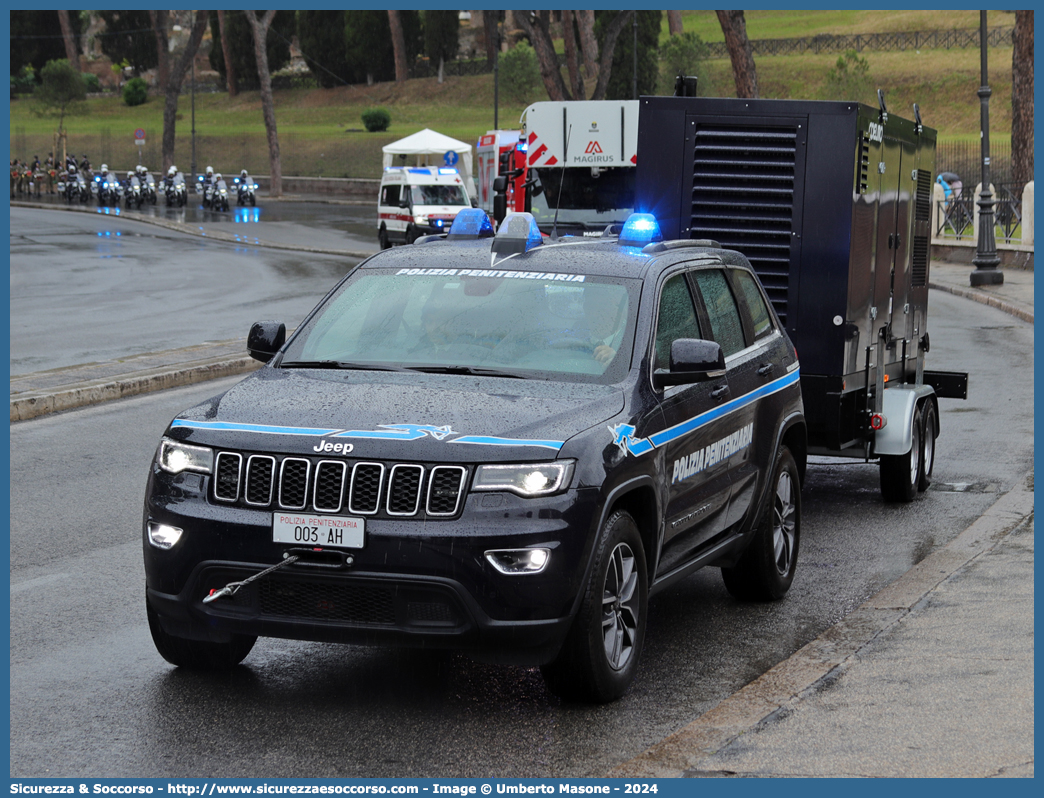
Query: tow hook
(233, 587)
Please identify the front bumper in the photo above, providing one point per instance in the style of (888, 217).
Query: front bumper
(414, 582)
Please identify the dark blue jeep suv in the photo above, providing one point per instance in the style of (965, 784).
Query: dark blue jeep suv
(501, 442)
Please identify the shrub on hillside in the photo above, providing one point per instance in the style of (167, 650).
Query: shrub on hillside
(519, 73)
(92, 82)
(850, 80)
(135, 91)
(684, 54)
(376, 119)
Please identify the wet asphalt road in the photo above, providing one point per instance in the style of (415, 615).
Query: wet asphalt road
(89, 287)
(90, 696)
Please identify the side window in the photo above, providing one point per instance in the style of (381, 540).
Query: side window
(390, 195)
(677, 319)
(726, 327)
(759, 312)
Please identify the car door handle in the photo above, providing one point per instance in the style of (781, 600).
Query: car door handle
(765, 370)
(719, 392)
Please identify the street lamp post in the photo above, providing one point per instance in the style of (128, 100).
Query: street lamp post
(193, 121)
(986, 259)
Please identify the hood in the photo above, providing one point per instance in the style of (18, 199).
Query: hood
(390, 415)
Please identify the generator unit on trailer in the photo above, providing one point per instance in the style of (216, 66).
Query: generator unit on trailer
(831, 203)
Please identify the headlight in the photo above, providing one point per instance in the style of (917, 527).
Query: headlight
(420, 219)
(531, 479)
(175, 457)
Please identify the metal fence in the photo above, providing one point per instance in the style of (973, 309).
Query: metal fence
(956, 215)
(879, 42)
(965, 159)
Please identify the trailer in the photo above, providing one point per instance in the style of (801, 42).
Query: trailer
(573, 166)
(831, 203)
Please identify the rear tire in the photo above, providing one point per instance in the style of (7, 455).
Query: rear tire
(928, 428)
(766, 569)
(901, 473)
(600, 656)
(197, 654)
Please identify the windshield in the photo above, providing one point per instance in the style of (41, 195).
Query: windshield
(589, 196)
(540, 327)
(438, 195)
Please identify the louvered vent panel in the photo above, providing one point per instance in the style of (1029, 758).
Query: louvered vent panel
(863, 178)
(922, 229)
(743, 197)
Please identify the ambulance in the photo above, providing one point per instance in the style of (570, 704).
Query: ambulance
(418, 200)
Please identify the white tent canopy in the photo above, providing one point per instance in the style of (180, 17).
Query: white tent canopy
(428, 148)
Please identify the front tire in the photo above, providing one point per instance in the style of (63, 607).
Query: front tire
(197, 654)
(901, 473)
(600, 657)
(382, 238)
(766, 569)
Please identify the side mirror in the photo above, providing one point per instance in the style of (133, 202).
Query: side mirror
(265, 339)
(692, 360)
(500, 184)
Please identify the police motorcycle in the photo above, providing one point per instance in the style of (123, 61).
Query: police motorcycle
(174, 188)
(74, 186)
(205, 186)
(219, 194)
(132, 191)
(245, 188)
(108, 187)
(148, 185)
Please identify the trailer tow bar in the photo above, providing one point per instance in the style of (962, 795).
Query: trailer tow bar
(233, 587)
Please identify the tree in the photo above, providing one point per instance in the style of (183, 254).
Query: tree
(239, 36)
(320, 35)
(674, 22)
(684, 54)
(398, 46)
(368, 44)
(734, 26)
(259, 30)
(441, 36)
(60, 87)
(1022, 100)
(173, 88)
(33, 42)
(129, 37)
(621, 83)
(536, 26)
(226, 52)
(72, 52)
(159, 30)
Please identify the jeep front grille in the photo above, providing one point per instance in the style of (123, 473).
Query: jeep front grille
(404, 490)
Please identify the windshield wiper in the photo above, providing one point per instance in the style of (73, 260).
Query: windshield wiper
(480, 372)
(337, 364)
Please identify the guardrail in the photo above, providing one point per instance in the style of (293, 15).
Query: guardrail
(955, 219)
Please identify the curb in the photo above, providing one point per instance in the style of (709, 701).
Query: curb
(178, 227)
(33, 404)
(985, 299)
(803, 672)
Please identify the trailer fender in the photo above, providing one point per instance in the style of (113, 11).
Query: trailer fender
(900, 404)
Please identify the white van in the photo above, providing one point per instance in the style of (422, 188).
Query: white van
(416, 201)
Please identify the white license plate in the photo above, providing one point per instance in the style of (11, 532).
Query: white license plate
(327, 531)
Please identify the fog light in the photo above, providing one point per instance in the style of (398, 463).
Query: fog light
(163, 536)
(519, 561)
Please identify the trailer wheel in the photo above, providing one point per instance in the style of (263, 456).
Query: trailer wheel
(927, 445)
(766, 569)
(901, 473)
